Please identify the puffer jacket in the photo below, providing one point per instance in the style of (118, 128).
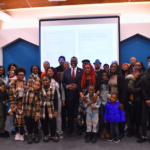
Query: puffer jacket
(112, 113)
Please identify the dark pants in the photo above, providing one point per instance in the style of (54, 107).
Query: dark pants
(145, 116)
(32, 125)
(3, 116)
(48, 122)
(21, 129)
(135, 115)
(72, 107)
(114, 127)
(103, 125)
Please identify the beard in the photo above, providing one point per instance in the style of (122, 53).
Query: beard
(97, 68)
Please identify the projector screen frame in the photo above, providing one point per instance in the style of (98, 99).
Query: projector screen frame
(78, 18)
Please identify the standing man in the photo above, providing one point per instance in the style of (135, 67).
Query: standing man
(61, 61)
(132, 63)
(98, 71)
(85, 62)
(46, 64)
(70, 80)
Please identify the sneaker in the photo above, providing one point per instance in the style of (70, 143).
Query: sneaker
(46, 138)
(110, 139)
(17, 137)
(116, 141)
(142, 139)
(22, 138)
(61, 136)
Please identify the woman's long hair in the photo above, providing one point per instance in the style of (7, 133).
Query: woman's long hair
(39, 71)
(55, 76)
(118, 68)
(92, 74)
(142, 65)
(3, 71)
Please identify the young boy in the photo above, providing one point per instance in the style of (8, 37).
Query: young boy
(103, 101)
(114, 116)
(92, 115)
(18, 122)
(31, 106)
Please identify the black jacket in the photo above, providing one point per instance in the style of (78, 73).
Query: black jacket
(122, 89)
(137, 91)
(145, 88)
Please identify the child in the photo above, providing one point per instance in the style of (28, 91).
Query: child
(48, 109)
(31, 106)
(131, 78)
(103, 99)
(114, 116)
(92, 115)
(18, 122)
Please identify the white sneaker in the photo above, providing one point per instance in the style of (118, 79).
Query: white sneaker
(21, 137)
(17, 137)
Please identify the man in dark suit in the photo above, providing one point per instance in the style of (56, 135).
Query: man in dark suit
(70, 83)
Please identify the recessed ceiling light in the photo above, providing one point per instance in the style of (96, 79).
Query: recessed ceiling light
(56, 0)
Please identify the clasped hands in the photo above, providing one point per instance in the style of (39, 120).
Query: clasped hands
(72, 87)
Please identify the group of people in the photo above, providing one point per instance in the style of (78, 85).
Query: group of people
(103, 101)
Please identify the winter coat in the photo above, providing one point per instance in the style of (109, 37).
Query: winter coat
(113, 114)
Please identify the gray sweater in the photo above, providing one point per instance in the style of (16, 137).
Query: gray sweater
(89, 109)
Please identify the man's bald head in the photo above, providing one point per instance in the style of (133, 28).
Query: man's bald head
(133, 60)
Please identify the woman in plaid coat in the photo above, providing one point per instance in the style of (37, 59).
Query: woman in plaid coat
(17, 90)
(48, 109)
(31, 108)
(35, 76)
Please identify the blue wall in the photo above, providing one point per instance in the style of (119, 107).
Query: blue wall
(137, 46)
(22, 53)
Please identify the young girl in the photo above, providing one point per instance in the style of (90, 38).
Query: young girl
(55, 82)
(35, 76)
(92, 115)
(31, 106)
(18, 122)
(114, 116)
(48, 109)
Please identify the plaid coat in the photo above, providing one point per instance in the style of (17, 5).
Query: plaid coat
(18, 119)
(31, 104)
(32, 78)
(13, 95)
(49, 98)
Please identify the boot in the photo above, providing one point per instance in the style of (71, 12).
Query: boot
(130, 133)
(137, 133)
(5, 134)
(94, 139)
(88, 137)
(102, 134)
(122, 125)
(29, 139)
(106, 134)
(36, 138)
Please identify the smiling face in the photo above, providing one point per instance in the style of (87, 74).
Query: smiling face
(113, 68)
(104, 76)
(133, 61)
(46, 81)
(19, 105)
(97, 66)
(66, 65)
(12, 68)
(46, 65)
(61, 61)
(50, 72)
(138, 66)
(87, 69)
(91, 90)
(106, 68)
(124, 67)
(74, 62)
(35, 70)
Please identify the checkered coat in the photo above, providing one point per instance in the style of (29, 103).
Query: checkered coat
(13, 95)
(50, 99)
(18, 119)
(32, 78)
(31, 104)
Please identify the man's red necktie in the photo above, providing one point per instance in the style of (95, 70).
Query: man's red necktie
(73, 75)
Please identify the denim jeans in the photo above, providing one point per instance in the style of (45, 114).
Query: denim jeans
(11, 123)
(114, 127)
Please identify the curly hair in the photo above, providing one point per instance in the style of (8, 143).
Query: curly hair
(39, 71)
(20, 69)
(92, 74)
(55, 76)
(9, 66)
